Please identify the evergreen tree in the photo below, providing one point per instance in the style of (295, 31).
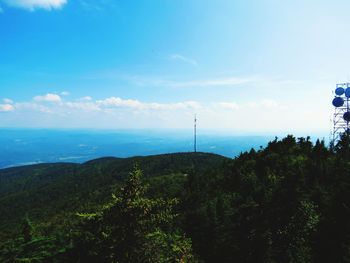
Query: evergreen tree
(27, 230)
(132, 228)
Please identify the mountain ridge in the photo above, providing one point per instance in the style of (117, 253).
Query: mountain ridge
(40, 190)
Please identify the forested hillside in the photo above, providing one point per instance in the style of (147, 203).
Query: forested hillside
(288, 202)
(52, 193)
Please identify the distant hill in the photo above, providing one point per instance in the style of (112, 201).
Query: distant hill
(53, 193)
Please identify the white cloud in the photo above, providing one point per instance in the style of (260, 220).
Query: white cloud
(270, 103)
(50, 97)
(65, 93)
(57, 105)
(138, 105)
(228, 105)
(6, 107)
(84, 106)
(86, 98)
(30, 107)
(117, 112)
(178, 57)
(7, 101)
(118, 102)
(36, 4)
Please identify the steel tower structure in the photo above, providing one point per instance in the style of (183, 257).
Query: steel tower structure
(341, 115)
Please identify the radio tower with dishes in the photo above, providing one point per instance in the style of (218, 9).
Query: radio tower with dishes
(341, 116)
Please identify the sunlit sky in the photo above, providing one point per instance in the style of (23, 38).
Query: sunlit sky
(240, 65)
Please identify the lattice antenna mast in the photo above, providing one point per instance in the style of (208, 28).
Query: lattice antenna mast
(195, 134)
(341, 116)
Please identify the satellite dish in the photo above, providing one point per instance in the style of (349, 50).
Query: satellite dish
(339, 91)
(346, 116)
(338, 101)
(347, 92)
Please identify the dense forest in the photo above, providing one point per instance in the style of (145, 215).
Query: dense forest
(287, 202)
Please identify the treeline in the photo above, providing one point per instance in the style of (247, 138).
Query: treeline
(287, 202)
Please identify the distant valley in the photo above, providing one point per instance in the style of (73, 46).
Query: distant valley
(32, 146)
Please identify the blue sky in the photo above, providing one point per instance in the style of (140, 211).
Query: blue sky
(240, 65)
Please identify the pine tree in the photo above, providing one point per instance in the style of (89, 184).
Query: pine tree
(27, 230)
(132, 228)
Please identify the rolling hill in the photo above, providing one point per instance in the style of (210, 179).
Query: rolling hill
(51, 194)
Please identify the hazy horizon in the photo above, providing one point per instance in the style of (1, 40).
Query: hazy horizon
(33, 146)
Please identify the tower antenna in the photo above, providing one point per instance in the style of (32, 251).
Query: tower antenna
(195, 133)
(341, 116)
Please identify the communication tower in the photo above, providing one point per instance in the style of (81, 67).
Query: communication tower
(195, 134)
(341, 116)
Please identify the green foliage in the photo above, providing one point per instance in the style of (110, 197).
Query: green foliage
(132, 228)
(162, 247)
(278, 204)
(38, 249)
(52, 193)
(288, 202)
(27, 230)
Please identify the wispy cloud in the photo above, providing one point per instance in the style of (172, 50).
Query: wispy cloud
(227, 80)
(138, 105)
(6, 107)
(50, 97)
(210, 82)
(117, 112)
(7, 101)
(231, 81)
(86, 98)
(97, 5)
(31, 5)
(51, 103)
(264, 104)
(31, 107)
(179, 57)
(90, 6)
(228, 105)
(82, 106)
